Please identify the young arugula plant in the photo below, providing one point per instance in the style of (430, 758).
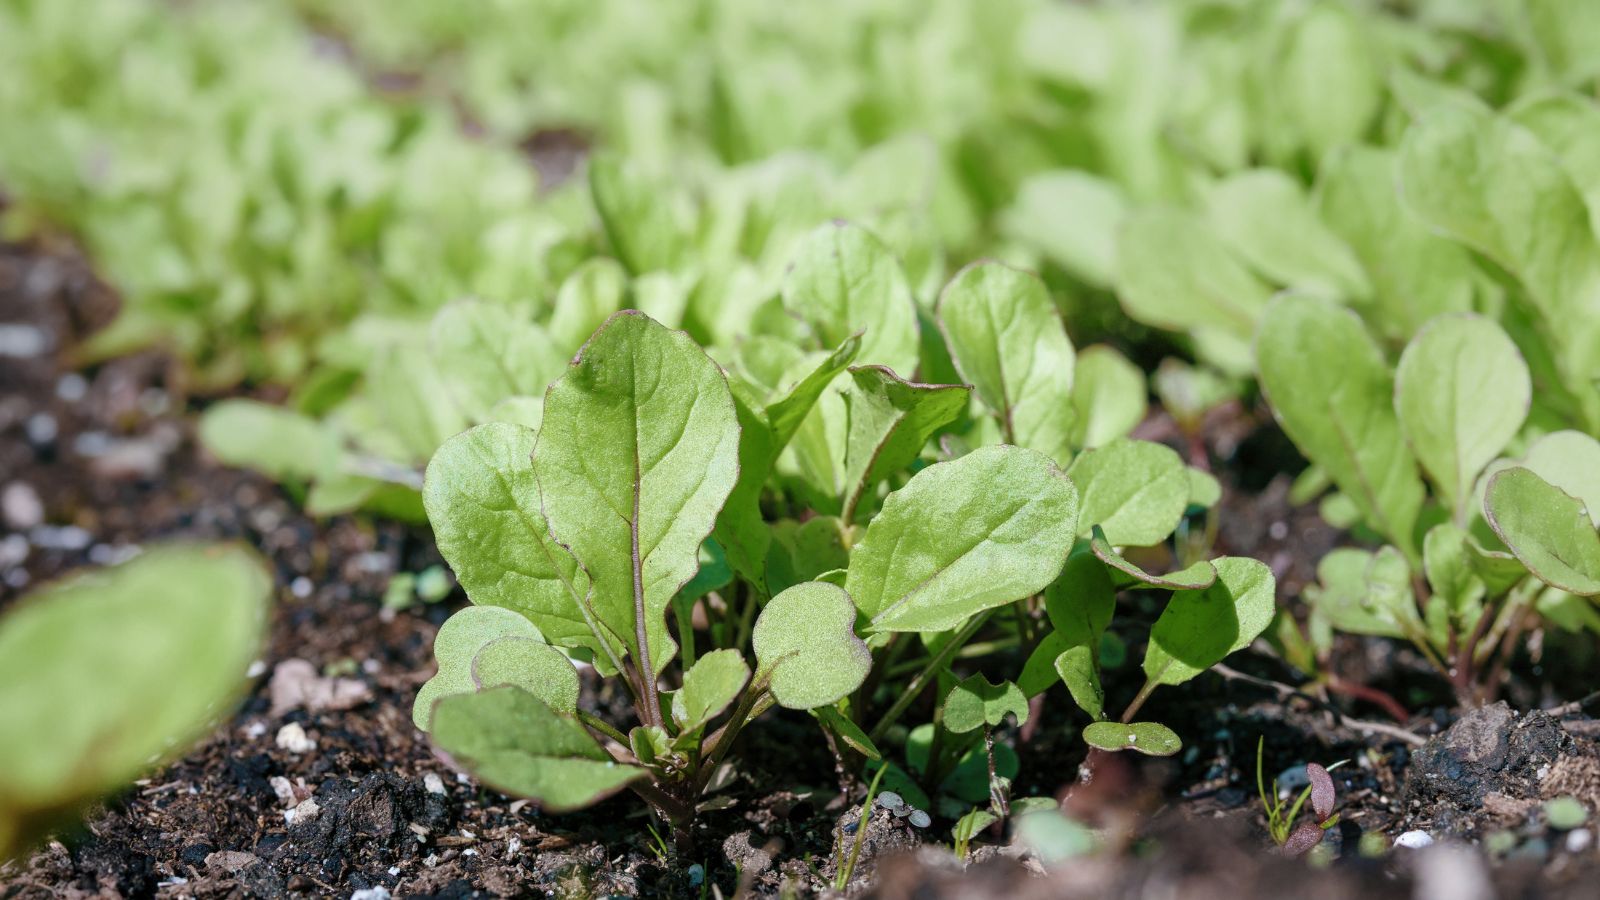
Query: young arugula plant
(1457, 399)
(1281, 816)
(105, 674)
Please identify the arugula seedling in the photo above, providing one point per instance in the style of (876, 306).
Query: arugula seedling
(1281, 816)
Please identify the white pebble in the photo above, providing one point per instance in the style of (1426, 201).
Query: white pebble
(72, 387)
(301, 587)
(1414, 840)
(294, 739)
(257, 669)
(304, 811)
(21, 506)
(1579, 839)
(433, 783)
(372, 893)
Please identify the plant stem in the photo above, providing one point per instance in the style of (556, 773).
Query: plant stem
(756, 700)
(935, 663)
(842, 876)
(1149, 688)
(595, 723)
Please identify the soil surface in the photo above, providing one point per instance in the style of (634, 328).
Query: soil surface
(321, 787)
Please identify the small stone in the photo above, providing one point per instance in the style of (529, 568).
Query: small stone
(1579, 839)
(919, 819)
(20, 506)
(230, 861)
(433, 783)
(372, 893)
(301, 587)
(41, 429)
(1414, 840)
(23, 341)
(697, 875)
(294, 739)
(891, 800)
(305, 811)
(72, 387)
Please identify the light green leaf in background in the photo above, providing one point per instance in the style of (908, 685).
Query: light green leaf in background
(1196, 576)
(1198, 629)
(709, 687)
(513, 742)
(1326, 77)
(964, 536)
(1109, 398)
(1187, 392)
(1262, 215)
(485, 355)
(977, 702)
(636, 456)
(1462, 392)
(1456, 590)
(1548, 529)
(1149, 738)
(1342, 595)
(595, 290)
(1569, 460)
(1415, 273)
(457, 643)
(1072, 218)
(1332, 391)
(105, 674)
(1174, 272)
(277, 442)
(807, 652)
(1135, 490)
(648, 230)
(1568, 124)
(1204, 489)
(483, 502)
(1007, 340)
(844, 281)
(890, 422)
(786, 411)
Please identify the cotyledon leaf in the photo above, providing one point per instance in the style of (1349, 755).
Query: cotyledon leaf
(708, 687)
(807, 651)
(977, 702)
(636, 456)
(1006, 338)
(1334, 395)
(530, 664)
(1548, 529)
(890, 421)
(1135, 490)
(513, 742)
(483, 501)
(458, 641)
(1150, 738)
(964, 536)
(845, 281)
(1199, 628)
(1197, 576)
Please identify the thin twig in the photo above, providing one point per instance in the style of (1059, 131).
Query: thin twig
(1576, 706)
(1285, 690)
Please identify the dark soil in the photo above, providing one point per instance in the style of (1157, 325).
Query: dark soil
(97, 461)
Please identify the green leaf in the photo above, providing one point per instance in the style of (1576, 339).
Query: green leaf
(1188, 392)
(964, 536)
(1570, 460)
(1080, 671)
(1462, 392)
(1262, 215)
(847, 731)
(807, 652)
(595, 290)
(1197, 576)
(651, 746)
(105, 674)
(972, 824)
(277, 442)
(977, 702)
(844, 281)
(483, 502)
(890, 422)
(1007, 340)
(1548, 529)
(485, 355)
(786, 412)
(1108, 397)
(1326, 79)
(1072, 218)
(1344, 593)
(455, 646)
(1415, 273)
(1081, 602)
(1204, 489)
(646, 228)
(1457, 592)
(1135, 490)
(637, 454)
(1174, 272)
(530, 664)
(1038, 672)
(804, 550)
(1332, 391)
(1149, 738)
(709, 687)
(513, 742)
(1199, 628)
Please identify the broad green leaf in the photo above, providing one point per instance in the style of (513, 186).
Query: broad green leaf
(457, 643)
(1080, 603)
(530, 664)
(1197, 576)
(1570, 460)
(1456, 591)
(277, 442)
(845, 281)
(890, 422)
(1072, 218)
(1462, 392)
(806, 648)
(513, 742)
(1342, 595)
(1007, 340)
(802, 551)
(485, 355)
(1415, 273)
(1149, 738)
(105, 674)
(977, 702)
(483, 502)
(847, 731)
(1038, 672)
(709, 687)
(1332, 391)
(1548, 529)
(1080, 671)
(637, 454)
(412, 402)
(646, 228)
(964, 536)
(1263, 216)
(1326, 76)
(1174, 272)
(786, 411)
(1108, 397)
(1568, 124)
(1135, 490)
(1198, 629)
(595, 290)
